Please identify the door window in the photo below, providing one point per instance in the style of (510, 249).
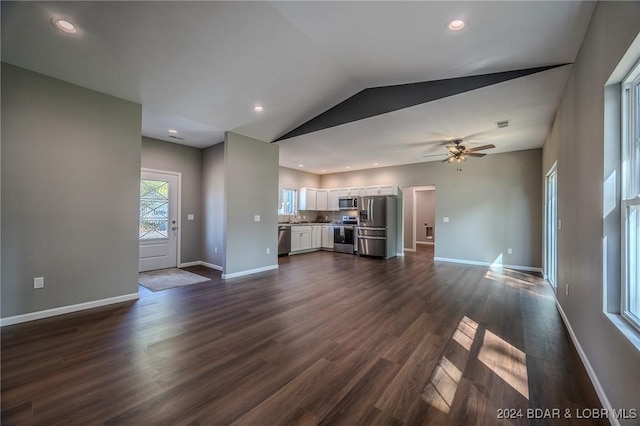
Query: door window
(154, 209)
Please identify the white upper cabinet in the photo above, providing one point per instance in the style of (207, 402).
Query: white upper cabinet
(308, 199)
(349, 192)
(334, 196)
(322, 199)
(327, 199)
(381, 190)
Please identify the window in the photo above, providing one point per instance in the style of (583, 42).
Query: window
(288, 203)
(631, 197)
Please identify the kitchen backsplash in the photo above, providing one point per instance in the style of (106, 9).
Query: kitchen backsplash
(315, 216)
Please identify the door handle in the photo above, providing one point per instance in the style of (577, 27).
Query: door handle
(173, 228)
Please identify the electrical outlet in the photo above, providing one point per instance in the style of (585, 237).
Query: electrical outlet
(509, 251)
(215, 249)
(559, 224)
(566, 289)
(268, 250)
(38, 282)
(256, 218)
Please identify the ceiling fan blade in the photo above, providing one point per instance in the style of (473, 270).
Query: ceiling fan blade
(480, 148)
(446, 160)
(435, 155)
(473, 154)
(453, 148)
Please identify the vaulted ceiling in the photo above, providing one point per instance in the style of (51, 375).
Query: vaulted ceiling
(202, 67)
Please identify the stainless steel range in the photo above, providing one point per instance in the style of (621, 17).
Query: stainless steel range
(344, 235)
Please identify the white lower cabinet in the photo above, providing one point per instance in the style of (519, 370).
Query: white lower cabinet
(300, 238)
(327, 237)
(316, 236)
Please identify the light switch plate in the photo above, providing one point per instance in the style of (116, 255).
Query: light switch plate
(38, 282)
(190, 216)
(256, 218)
(445, 219)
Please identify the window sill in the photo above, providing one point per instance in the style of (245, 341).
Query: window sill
(629, 332)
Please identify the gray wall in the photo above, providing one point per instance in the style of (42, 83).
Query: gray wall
(291, 178)
(251, 188)
(213, 205)
(493, 204)
(186, 160)
(576, 143)
(425, 213)
(70, 188)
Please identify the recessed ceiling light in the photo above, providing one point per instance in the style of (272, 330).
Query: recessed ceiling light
(456, 24)
(323, 170)
(64, 25)
(347, 167)
(258, 108)
(300, 165)
(376, 164)
(174, 131)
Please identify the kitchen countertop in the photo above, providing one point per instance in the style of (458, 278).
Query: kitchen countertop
(307, 223)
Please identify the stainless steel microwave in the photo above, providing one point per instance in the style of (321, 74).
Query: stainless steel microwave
(348, 203)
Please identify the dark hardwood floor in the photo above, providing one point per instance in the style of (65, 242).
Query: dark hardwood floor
(326, 339)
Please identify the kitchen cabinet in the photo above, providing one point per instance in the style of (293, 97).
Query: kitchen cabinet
(300, 238)
(322, 199)
(334, 196)
(327, 237)
(316, 236)
(381, 190)
(307, 199)
(349, 192)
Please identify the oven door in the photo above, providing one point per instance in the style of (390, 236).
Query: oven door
(343, 235)
(343, 239)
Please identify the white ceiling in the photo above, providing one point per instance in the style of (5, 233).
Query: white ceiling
(201, 67)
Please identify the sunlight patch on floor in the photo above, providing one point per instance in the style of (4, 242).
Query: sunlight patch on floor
(466, 332)
(506, 361)
(442, 386)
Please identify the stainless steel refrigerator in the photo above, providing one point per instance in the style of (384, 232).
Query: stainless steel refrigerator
(376, 231)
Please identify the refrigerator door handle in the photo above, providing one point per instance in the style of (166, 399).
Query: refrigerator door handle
(364, 237)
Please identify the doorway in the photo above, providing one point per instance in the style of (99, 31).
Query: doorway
(419, 218)
(158, 232)
(551, 226)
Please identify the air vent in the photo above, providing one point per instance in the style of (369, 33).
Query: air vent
(502, 124)
(176, 137)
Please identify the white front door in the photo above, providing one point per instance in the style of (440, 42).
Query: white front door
(158, 230)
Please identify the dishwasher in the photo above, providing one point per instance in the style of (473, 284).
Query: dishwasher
(284, 240)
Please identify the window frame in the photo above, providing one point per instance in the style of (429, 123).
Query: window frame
(630, 190)
(294, 197)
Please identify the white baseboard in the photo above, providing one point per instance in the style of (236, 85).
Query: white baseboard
(401, 254)
(32, 316)
(587, 365)
(409, 249)
(474, 262)
(211, 265)
(426, 243)
(249, 272)
(201, 263)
